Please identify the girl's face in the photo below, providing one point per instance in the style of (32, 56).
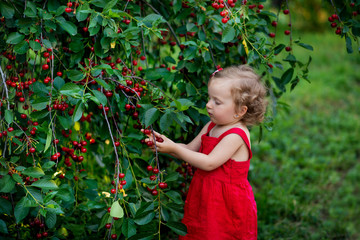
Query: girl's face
(221, 106)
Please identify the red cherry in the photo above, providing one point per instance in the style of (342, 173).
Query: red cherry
(154, 192)
(109, 209)
(152, 177)
(23, 116)
(162, 185)
(117, 144)
(32, 150)
(108, 226)
(147, 131)
(225, 20)
(45, 234)
(113, 236)
(45, 67)
(123, 182)
(113, 191)
(85, 29)
(272, 35)
(69, 4)
(288, 49)
(260, 6)
(149, 168)
(150, 143)
(68, 10)
(287, 32)
(46, 54)
(286, 11)
(59, 74)
(38, 235)
(155, 171)
(10, 129)
(121, 175)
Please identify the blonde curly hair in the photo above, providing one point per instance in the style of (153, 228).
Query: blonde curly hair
(248, 90)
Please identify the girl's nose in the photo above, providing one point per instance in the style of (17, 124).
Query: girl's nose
(208, 105)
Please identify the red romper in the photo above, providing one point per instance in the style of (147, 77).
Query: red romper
(220, 204)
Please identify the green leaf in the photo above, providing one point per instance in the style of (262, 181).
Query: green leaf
(3, 227)
(307, 46)
(48, 139)
(228, 34)
(175, 196)
(69, 89)
(20, 210)
(5, 206)
(79, 109)
(349, 48)
(165, 121)
(9, 116)
(6, 10)
(151, 116)
(46, 43)
(75, 75)
(45, 184)
(116, 210)
(46, 166)
(30, 10)
(69, 27)
(128, 227)
(50, 219)
(170, 60)
(40, 103)
(7, 184)
(172, 177)
(15, 38)
(39, 114)
(22, 47)
(177, 227)
(182, 104)
(34, 172)
(66, 121)
(279, 48)
(59, 83)
(287, 76)
(144, 217)
(35, 46)
(100, 96)
(103, 83)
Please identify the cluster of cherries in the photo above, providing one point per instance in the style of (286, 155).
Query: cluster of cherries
(37, 223)
(68, 8)
(153, 177)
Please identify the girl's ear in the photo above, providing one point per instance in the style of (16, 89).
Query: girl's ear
(242, 112)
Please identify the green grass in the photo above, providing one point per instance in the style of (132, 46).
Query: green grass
(306, 171)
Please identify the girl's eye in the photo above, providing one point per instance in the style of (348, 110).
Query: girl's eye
(217, 103)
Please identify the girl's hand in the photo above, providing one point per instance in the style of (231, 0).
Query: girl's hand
(158, 142)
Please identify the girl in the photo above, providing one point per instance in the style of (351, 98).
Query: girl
(220, 203)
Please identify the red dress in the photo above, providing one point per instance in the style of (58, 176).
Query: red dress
(220, 203)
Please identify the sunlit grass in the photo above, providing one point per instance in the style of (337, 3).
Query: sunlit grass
(305, 171)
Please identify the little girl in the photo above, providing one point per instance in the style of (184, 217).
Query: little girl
(220, 203)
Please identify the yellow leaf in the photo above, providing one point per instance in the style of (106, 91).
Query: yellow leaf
(245, 47)
(77, 126)
(112, 45)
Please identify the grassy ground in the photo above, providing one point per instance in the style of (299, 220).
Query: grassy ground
(306, 172)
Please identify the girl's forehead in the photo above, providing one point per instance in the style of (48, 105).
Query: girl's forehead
(219, 87)
(220, 83)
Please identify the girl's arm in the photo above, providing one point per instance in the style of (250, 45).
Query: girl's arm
(194, 145)
(223, 151)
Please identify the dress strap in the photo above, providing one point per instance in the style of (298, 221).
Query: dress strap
(242, 134)
(211, 125)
